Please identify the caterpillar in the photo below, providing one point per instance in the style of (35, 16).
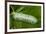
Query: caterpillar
(25, 17)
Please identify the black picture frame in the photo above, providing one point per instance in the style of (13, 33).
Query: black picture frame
(22, 2)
